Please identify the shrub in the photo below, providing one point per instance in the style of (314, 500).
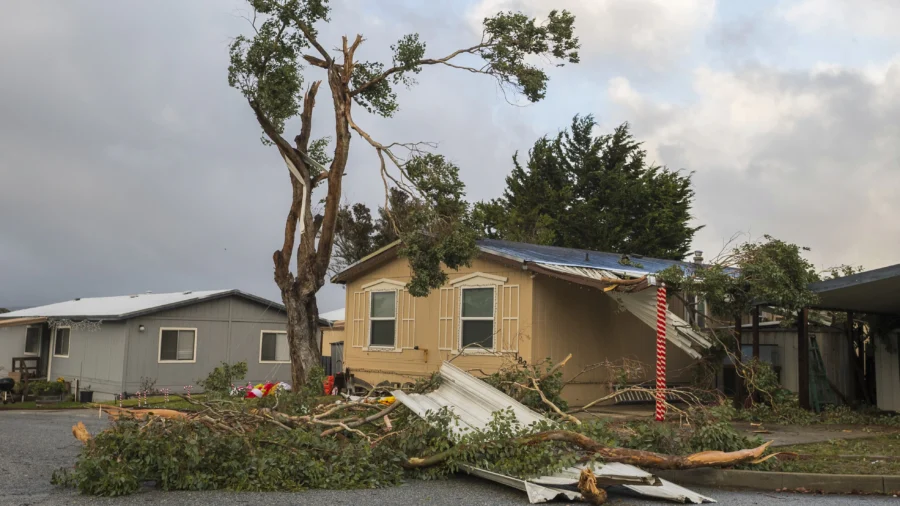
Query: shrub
(221, 378)
(41, 387)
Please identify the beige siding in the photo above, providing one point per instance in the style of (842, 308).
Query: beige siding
(329, 336)
(587, 323)
(434, 327)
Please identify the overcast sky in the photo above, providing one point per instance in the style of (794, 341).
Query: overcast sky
(127, 164)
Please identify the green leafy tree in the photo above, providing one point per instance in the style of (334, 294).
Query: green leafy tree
(270, 70)
(579, 190)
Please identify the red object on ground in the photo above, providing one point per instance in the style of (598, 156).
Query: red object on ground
(661, 353)
(328, 384)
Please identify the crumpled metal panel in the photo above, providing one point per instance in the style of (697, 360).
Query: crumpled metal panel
(474, 402)
(643, 305)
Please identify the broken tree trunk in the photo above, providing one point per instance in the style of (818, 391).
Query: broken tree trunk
(595, 450)
(587, 485)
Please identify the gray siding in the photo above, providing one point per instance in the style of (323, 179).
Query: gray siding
(228, 330)
(887, 374)
(12, 344)
(95, 359)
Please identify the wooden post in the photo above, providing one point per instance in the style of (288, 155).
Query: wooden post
(756, 332)
(803, 357)
(738, 379)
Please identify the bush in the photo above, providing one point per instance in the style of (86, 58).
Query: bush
(41, 387)
(223, 377)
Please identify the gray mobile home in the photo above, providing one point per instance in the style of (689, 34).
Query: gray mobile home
(110, 343)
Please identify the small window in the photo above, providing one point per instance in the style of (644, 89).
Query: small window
(383, 326)
(61, 348)
(33, 341)
(273, 347)
(177, 345)
(477, 318)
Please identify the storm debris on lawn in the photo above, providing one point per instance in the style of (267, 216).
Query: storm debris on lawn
(295, 442)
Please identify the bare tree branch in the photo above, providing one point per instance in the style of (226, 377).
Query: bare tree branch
(427, 61)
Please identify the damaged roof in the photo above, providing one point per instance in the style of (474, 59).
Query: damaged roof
(578, 265)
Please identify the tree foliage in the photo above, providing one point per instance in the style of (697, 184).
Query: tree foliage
(580, 190)
(270, 68)
(769, 271)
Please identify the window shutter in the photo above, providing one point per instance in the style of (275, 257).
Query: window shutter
(447, 318)
(509, 318)
(407, 315)
(358, 330)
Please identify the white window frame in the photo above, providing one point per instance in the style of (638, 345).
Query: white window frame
(264, 332)
(493, 319)
(159, 347)
(68, 344)
(38, 354)
(381, 347)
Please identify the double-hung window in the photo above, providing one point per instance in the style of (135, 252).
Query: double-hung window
(177, 345)
(61, 348)
(383, 319)
(477, 318)
(273, 347)
(33, 341)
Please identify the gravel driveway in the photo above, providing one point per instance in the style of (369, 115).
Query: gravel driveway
(33, 444)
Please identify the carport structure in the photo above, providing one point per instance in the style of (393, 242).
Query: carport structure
(875, 292)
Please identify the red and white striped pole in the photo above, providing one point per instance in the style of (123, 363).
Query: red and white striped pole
(661, 352)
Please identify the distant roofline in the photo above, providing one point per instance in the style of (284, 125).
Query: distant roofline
(165, 307)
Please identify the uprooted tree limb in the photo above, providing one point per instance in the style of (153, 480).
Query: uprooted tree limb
(594, 450)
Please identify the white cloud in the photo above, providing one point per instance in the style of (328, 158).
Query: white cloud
(810, 157)
(862, 17)
(654, 31)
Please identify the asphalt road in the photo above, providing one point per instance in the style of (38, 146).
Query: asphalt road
(33, 444)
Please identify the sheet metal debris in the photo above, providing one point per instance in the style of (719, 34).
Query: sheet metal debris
(474, 401)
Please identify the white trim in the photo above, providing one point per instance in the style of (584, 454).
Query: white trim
(493, 319)
(263, 332)
(479, 279)
(390, 285)
(26, 352)
(380, 347)
(53, 343)
(159, 348)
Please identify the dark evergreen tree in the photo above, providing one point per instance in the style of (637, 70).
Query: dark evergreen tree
(579, 190)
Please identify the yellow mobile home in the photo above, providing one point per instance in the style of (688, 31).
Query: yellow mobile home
(516, 302)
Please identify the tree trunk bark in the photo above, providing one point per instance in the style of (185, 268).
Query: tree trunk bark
(303, 335)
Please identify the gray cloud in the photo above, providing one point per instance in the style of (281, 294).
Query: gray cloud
(127, 164)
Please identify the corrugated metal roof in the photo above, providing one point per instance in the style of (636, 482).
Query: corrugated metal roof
(611, 262)
(126, 306)
(474, 402)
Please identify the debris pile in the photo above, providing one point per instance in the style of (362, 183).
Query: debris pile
(463, 424)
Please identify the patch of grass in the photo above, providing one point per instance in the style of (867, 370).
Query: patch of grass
(846, 456)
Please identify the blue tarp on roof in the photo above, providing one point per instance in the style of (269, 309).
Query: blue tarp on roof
(525, 252)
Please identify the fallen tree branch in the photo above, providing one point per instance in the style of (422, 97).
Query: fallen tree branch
(623, 455)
